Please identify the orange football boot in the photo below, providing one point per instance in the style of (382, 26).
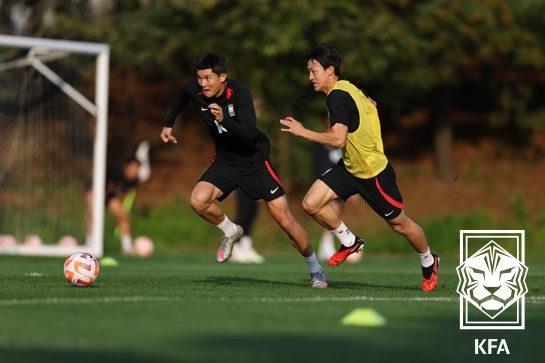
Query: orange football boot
(343, 252)
(430, 275)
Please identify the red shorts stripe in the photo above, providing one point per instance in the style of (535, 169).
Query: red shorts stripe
(390, 200)
(273, 174)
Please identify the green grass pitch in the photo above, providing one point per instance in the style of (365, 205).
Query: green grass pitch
(187, 308)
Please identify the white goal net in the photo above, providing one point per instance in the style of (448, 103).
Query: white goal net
(53, 120)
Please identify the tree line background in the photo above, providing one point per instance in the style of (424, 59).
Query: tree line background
(483, 58)
(442, 72)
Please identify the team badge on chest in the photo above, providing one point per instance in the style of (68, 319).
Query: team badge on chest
(231, 109)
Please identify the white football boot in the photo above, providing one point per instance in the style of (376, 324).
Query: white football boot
(226, 247)
(243, 252)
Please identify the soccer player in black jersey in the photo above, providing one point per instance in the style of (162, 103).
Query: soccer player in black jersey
(364, 168)
(242, 159)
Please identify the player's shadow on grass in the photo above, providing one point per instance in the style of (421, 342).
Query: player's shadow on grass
(236, 280)
(367, 285)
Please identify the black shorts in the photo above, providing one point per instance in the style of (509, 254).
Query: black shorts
(380, 192)
(258, 180)
(118, 192)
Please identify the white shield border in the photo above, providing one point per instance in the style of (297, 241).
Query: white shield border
(520, 236)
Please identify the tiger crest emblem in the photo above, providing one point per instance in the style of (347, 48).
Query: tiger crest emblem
(492, 279)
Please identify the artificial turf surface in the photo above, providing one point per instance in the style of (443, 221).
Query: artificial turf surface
(187, 308)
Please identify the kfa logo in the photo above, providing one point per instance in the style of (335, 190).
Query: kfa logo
(491, 346)
(492, 279)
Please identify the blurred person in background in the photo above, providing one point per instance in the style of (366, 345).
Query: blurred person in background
(325, 157)
(247, 210)
(121, 185)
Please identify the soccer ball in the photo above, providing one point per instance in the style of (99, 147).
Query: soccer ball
(7, 240)
(355, 257)
(33, 240)
(68, 241)
(143, 246)
(81, 269)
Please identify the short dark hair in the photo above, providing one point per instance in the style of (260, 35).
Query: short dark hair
(327, 56)
(131, 159)
(212, 61)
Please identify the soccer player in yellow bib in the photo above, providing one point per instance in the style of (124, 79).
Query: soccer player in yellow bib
(363, 169)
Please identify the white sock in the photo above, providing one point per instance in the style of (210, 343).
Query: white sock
(126, 242)
(313, 264)
(344, 235)
(229, 228)
(426, 258)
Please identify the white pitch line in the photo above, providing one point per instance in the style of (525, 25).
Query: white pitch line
(354, 298)
(95, 300)
(34, 274)
(314, 299)
(531, 299)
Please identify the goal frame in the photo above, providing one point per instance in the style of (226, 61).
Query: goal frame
(98, 109)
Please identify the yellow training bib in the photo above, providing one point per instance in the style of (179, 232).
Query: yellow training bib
(363, 154)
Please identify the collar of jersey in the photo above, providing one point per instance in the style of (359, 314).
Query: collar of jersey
(336, 84)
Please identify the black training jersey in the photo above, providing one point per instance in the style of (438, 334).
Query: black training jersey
(238, 140)
(116, 183)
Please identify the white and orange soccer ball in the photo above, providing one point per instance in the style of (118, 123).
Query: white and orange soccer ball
(355, 257)
(81, 269)
(7, 240)
(143, 246)
(68, 241)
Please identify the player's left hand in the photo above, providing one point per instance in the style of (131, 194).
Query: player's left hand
(292, 126)
(217, 111)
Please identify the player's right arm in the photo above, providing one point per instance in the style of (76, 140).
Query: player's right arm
(343, 119)
(166, 135)
(334, 136)
(177, 106)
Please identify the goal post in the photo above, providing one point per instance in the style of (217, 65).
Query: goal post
(34, 82)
